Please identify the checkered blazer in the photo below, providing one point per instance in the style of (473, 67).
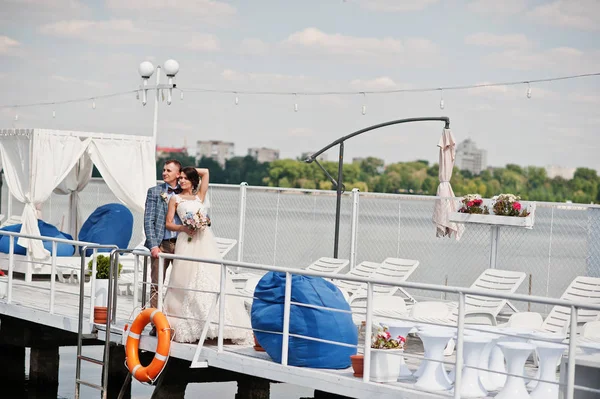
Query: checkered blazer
(155, 215)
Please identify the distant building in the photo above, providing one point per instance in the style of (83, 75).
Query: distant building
(469, 157)
(164, 151)
(304, 155)
(554, 171)
(220, 151)
(263, 154)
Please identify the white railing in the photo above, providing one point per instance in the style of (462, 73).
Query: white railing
(460, 291)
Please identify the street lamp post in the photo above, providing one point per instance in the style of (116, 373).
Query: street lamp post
(146, 69)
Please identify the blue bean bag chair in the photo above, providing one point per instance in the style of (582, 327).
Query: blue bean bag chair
(47, 230)
(267, 314)
(110, 224)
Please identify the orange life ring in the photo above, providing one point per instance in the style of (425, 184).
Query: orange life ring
(163, 333)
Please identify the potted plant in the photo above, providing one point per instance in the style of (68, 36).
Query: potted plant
(501, 210)
(101, 287)
(386, 355)
(3, 284)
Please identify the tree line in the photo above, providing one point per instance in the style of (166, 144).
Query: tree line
(418, 177)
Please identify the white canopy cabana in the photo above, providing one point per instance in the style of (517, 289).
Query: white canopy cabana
(37, 162)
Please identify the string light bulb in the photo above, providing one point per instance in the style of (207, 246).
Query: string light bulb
(364, 107)
(53, 113)
(237, 99)
(441, 99)
(181, 95)
(528, 90)
(93, 104)
(296, 103)
(137, 95)
(16, 117)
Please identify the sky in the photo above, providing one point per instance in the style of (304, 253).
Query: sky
(55, 50)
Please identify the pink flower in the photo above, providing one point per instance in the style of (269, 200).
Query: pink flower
(477, 202)
(470, 203)
(517, 206)
(387, 335)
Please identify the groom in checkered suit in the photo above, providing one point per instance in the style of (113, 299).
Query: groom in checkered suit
(158, 238)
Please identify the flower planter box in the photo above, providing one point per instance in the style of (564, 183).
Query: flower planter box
(385, 364)
(491, 219)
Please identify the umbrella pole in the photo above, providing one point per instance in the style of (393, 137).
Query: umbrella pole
(338, 205)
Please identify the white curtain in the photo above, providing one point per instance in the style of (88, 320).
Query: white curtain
(36, 161)
(446, 204)
(127, 166)
(73, 184)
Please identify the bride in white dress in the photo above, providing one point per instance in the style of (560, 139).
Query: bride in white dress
(187, 311)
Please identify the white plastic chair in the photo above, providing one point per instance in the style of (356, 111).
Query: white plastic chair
(581, 289)
(364, 269)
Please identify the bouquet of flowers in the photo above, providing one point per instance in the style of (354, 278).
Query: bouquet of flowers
(472, 204)
(195, 221)
(508, 205)
(384, 340)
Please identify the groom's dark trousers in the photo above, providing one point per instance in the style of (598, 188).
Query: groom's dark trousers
(166, 246)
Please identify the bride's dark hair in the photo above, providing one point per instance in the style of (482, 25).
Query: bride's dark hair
(192, 175)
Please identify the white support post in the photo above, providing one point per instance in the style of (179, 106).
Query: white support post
(222, 291)
(240, 254)
(286, 318)
(495, 239)
(368, 333)
(459, 346)
(161, 276)
(572, 350)
(92, 282)
(354, 227)
(136, 280)
(11, 267)
(52, 276)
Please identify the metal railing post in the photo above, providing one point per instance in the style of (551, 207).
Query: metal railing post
(286, 318)
(52, 276)
(242, 226)
(222, 291)
(459, 345)
(92, 279)
(11, 267)
(572, 349)
(354, 227)
(144, 281)
(136, 268)
(80, 320)
(368, 333)
(161, 276)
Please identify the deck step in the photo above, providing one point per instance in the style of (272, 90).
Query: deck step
(89, 384)
(91, 360)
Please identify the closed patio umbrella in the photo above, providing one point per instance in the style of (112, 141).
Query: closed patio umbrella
(445, 204)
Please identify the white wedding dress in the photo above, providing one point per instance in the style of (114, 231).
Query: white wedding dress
(187, 311)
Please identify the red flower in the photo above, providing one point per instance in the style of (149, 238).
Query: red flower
(401, 338)
(2, 273)
(517, 206)
(477, 202)
(470, 203)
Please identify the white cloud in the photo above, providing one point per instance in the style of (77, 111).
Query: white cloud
(411, 50)
(8, 45)
(381, 83)
(555, 60)
(518, 41)
(495, 7)
(198, 8)
(396, 5)
(580, 14)
(127, 32)
(254, 46)
(203, 42)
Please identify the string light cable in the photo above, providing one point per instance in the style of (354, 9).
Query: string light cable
(363, 93)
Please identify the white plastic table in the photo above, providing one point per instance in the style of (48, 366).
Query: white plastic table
(434, 377)
(516, 354)
(471, 386)
(549, 355)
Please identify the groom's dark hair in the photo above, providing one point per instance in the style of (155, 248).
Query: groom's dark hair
(192, 175)
(173, 161)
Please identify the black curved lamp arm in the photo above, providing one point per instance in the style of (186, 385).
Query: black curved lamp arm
(444, 119)
(340, 187)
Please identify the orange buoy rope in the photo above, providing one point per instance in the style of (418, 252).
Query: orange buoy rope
(163, 331)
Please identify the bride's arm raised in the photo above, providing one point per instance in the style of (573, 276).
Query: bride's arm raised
(170, 219)
(204, 179)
